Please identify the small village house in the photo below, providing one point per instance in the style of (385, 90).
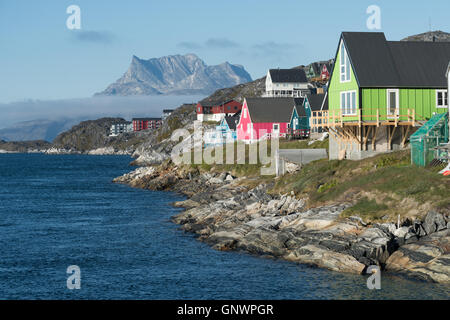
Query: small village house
(301, 121)
(263, 118)
(120, 127)
(146, 123)
(298, 127)
(381, 91)
(316, 102)
(216, 111)
(286, 83)
(325, 71)
(313, 69)
(225, 132)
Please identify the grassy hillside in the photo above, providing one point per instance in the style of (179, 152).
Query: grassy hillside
(380, 187)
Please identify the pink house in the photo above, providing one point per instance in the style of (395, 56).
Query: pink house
(262, 118)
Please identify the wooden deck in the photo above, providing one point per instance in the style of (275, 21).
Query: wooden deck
(333, 119)
(361, 129)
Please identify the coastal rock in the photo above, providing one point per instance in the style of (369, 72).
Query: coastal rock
(229, 178)
(401, 232)
(107, 151)
(426, 259)
(135, 177)
(149, 158)
(316, 255)
(434, 222)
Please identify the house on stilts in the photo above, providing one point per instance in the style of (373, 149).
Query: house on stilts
(380, 92)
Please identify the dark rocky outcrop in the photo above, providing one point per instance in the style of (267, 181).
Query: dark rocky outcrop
(24, 146)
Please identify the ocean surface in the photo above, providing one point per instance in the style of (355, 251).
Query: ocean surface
(63, 210)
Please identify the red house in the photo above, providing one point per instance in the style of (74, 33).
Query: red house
(262, 118)
(324, 73)
(216, 111)
(146, 123)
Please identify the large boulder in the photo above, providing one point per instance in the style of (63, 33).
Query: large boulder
(434, 222)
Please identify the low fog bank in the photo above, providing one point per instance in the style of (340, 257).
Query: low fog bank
(35, 119)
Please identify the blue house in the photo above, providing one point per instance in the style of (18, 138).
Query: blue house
(224, 132)
(299, 124)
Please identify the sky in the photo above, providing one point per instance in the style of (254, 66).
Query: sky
(41, 59)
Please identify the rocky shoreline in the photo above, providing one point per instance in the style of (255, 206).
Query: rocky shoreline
(229, 216)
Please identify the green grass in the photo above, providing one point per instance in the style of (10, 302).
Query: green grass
(367, 209)
(391, 177)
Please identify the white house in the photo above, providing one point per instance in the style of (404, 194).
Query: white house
(286, 83)
(120, 127)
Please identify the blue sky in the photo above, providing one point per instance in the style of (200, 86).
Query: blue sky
(41, 59)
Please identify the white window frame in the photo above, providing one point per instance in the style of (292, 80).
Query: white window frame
(344, 65)
(348, 98)
(445, 97)
(397, 102)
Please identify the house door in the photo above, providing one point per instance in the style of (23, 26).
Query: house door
(392, 102)
(276, 130)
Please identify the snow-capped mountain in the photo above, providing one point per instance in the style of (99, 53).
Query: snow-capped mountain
(178, 74)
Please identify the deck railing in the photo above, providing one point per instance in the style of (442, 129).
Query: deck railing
(335, 118)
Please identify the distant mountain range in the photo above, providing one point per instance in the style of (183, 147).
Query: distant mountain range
(177, 74)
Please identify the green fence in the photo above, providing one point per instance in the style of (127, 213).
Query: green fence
(424, 141)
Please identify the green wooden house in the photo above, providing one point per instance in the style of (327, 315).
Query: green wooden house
(381, 91)
(300, 115)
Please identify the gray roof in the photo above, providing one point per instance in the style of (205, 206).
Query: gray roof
(270, 109)
(288, 75)
(300, 107)
(214, 103)
(380, 63)
(315, 101)
(233, 120)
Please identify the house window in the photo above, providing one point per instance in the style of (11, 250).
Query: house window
(276, 126)
(348, 102)
(441, 99)
(345, 64)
